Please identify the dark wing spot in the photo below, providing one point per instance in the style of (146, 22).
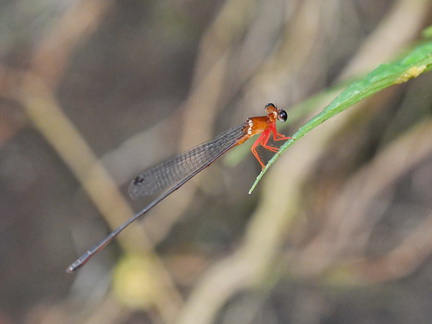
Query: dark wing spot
(138, 180)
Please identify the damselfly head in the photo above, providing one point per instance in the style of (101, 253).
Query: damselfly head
(271, 109)
(279, 113)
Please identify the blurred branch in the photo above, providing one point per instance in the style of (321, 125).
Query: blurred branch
(350, 225)
(53, 54)
(347, 217)
(413, 251)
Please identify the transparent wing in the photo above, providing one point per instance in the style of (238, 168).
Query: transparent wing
(183, 166)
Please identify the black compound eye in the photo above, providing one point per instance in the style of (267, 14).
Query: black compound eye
(269, 105)
(282, 116)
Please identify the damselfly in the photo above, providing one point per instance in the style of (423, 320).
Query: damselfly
(176, 171)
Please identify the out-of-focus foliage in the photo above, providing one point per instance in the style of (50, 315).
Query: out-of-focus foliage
(93, 92)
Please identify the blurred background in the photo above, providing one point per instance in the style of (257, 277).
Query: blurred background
(93, 92)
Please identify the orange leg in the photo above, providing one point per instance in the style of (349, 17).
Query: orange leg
(263, 138)
(263, 141)
(277, 136)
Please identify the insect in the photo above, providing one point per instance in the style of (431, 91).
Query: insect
(178, 170)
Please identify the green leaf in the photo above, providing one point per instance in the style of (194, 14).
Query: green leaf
(416, 62)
